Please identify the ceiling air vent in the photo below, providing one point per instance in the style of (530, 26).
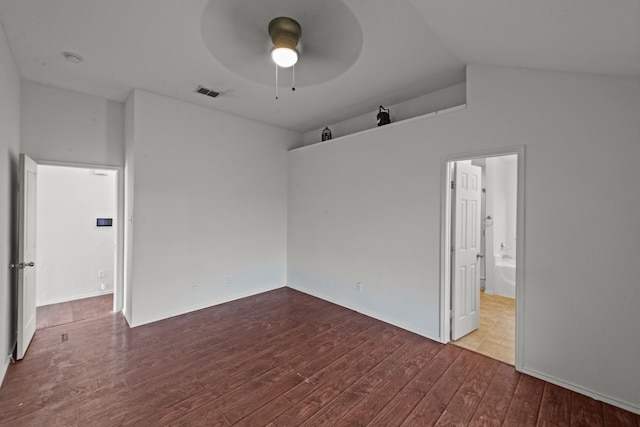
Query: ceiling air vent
(208, 92)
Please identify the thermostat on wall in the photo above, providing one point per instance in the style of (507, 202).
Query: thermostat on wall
(104, 222)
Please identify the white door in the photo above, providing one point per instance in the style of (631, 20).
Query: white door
(26, 254)
(466, 237)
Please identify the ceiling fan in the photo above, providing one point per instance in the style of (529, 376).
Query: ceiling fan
(247, 37)
(285, 34)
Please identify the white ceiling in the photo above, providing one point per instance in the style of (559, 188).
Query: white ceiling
(408, 48)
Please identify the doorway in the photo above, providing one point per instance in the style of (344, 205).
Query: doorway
(482, 237)
(77, 261)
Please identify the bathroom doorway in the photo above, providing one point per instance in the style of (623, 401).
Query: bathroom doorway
(482, 252)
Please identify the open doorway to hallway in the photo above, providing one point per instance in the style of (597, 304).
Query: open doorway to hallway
(483, 235)
(76, 240)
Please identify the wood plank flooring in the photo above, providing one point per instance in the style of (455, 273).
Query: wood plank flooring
(73, 311)
(280, 358)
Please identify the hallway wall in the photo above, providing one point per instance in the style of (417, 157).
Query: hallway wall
(72, 250)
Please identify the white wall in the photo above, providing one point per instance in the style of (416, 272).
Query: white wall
(9, 151)
(367, 208)
(502, 173)
(210, 202)
(72, 250)
(65, 126)
(429, 103)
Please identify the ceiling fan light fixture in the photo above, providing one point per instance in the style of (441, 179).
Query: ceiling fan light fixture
(285, 57)
(285, 34)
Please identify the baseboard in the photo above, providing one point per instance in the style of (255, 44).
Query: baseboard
(125, 314)
(73, 298)
(366, 312)
(207, 304)
(597, 396)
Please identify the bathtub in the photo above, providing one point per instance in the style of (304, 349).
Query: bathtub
(504, 280)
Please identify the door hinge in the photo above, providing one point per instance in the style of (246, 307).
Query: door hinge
(453, 185)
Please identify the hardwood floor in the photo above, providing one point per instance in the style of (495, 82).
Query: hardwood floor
(496, 336)
(280, 358)
(73, 311)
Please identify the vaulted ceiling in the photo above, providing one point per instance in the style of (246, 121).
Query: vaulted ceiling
(355, 54)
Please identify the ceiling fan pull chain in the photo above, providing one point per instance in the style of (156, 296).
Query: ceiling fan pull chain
(276, 81)
(293, 78)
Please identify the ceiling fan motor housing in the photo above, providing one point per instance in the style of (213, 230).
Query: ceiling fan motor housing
(285, 32)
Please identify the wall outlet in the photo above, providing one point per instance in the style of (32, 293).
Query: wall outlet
(194, 286)
(359, 287)
(229, 279)
(100, 274)
(103, 286)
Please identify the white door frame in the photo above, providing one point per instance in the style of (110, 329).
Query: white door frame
(118, 286)
(445, 242)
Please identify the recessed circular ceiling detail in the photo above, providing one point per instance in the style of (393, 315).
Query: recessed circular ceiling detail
(236, 33)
